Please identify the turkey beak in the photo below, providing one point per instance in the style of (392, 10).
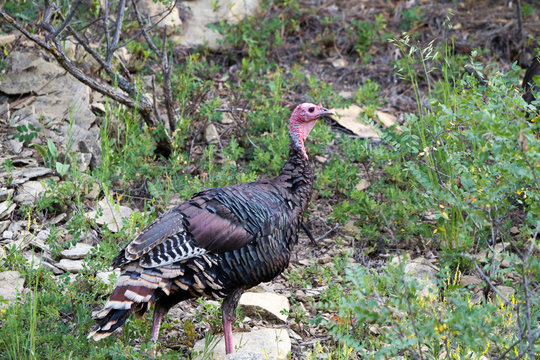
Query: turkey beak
(327, 114)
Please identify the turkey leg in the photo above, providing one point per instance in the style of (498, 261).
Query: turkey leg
(228, 314)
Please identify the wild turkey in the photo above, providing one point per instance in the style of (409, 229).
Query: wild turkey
(217, 244)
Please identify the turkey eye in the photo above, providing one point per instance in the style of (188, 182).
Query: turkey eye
(311, 109)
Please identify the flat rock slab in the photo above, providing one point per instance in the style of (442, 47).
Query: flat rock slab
(203, 13)
(272, 344)
(11, 284)
(108, 277)
(77, 252)
(269, 305)
(112, 215)
(72, 266)
(29, 192)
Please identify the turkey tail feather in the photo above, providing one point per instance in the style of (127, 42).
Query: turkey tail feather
(112, 321)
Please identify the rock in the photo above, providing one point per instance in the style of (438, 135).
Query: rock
(348, 118)
(387, 119)
(268, 343)
(6, 208)
(362, 185)
(467, 280)
(8, 234)
(5, 193)
(66, 113)
(202, 13)
(25, 174)
(16, 145)
(72, 266)
(113, 220)
(245, 356)
(481, 256)
(91, 188)
(108, 277)
(346, 94)
(506, 291)
(321, 159)
(83, 161)
(210, 134)
(11, 284)
(351, 228)
(156, 11)
(7, 38)
(424, 272)
(340, 63)
(77, 252)
(58, 219)
(4, 225)
(29, 192)
(37, 260)
(269, 305)
(514, 230)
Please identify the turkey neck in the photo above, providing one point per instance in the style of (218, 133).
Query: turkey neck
(298, 175)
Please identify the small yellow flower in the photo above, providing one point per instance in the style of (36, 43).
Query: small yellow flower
(518, 192)
(445, 215)
(435, 231)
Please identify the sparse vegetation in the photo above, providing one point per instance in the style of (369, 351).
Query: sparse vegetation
(459, 178)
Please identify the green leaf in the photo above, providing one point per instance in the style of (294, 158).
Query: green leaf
(62, 169)
(41, 150)
(52, 149)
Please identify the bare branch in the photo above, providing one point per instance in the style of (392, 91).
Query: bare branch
(65, 22)
(106, 26)
(144, 30)
(119, 21)
(23, 31)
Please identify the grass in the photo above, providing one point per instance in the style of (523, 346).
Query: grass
(456, 180)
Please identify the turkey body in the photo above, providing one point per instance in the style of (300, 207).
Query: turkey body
(216, 245)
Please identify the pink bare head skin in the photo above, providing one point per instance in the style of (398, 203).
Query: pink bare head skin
(302, 121)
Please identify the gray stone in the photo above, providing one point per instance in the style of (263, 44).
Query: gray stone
(269, 343)
(77, 252)
(72, 266)
(29, 192)
(11, 284)
(112, 215)
(57, 219)
(83, 161)
(424, 272)
(91, 188)
(108, 277)
(5, 193)
(210, 134)
(269, 305)
(470, 280)
(8, 234)
(4, 225)
(23, 175)
(16, 145)
(202, 13)
(66, 113)
(340, 63)
(6, 208)
(156, 11)
(362, 185)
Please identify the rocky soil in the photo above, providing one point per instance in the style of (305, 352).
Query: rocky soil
(35, 90)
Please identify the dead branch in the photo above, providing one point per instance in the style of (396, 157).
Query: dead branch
(126, 92)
